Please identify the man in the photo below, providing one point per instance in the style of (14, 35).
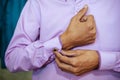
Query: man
(42, 28)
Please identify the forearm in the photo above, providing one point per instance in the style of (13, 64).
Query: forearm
(26, 51)
(25, 57)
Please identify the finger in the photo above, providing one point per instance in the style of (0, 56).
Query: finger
(63, 66)
(83, 71)
(84, 19)
(70, 53)
(93, 32)
(63, 58)
(82, 12)
(90, 22)
(90, 19)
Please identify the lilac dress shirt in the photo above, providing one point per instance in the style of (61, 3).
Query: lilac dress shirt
(37, 34)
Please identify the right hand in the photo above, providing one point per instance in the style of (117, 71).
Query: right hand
(79, 32)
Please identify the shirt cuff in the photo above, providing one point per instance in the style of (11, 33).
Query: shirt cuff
(107, 60)
(52, 44)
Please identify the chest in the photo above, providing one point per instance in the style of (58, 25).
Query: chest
(56, 17)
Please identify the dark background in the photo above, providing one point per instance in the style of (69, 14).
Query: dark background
(9, 14)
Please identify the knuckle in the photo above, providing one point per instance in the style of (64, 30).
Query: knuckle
(90, 25)
(59, 65)
(75, 70)
(74, 63)
(94, 31)
(91, 19)
(69, 61)
(60, 58)
(92, 40)
(93, 34)
(70, 68)
(91, 16)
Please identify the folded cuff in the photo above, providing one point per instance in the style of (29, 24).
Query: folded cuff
(107, 60)
(52, 44)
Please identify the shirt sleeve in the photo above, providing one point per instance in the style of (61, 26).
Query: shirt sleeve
(109, 60)
(25, 51)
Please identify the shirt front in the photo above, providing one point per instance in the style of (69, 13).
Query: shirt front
(37, 34)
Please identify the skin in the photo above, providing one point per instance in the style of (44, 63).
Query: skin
(77, 62)
(81, 31)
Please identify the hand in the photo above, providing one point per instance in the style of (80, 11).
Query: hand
(81, 31)
(77, 62)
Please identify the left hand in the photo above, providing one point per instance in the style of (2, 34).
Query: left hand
(77, 62)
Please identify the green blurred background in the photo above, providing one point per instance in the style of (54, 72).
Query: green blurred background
(9, 14)
(6, 75)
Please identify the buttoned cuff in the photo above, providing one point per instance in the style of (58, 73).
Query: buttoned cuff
(52, 44)
(107, 60)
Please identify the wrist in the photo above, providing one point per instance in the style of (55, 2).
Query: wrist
(66, 45)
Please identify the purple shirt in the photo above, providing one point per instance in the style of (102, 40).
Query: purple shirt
(37, 34)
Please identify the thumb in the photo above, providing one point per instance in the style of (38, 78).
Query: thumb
(82, 12)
